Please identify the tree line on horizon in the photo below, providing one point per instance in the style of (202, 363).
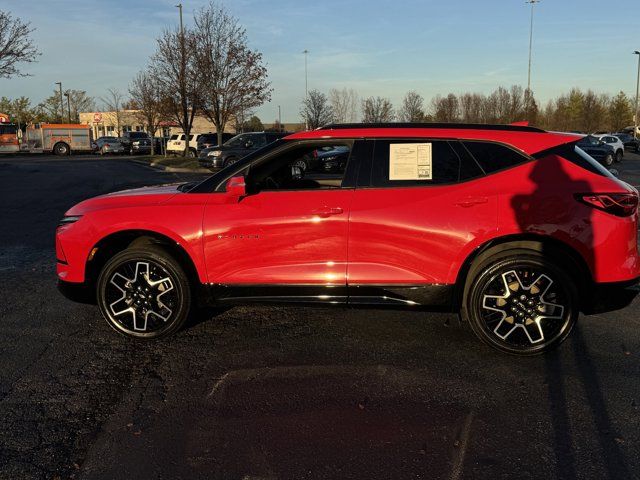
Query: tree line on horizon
(576, 110)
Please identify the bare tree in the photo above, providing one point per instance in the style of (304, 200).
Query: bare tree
(446, 109)
(79, 101)
(113, 102)
(173, 68)
(316, 110)
(344, 105)
(377, 110)
(16, 45)
(471, 107)
(232, 77)
(412, 108)
(144, 94)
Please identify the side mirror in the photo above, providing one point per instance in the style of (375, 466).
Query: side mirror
(614, 172)
(236, 187)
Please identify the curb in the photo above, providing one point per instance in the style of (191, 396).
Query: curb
(185, 170)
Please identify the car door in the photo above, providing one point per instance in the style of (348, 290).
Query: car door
(410, 225)
(283, 233)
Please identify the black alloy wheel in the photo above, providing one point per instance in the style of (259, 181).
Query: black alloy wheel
(143, 292)
(522, 304)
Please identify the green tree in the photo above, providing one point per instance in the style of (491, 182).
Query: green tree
(620, 112)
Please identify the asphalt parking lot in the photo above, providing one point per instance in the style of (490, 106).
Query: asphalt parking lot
(278, 393)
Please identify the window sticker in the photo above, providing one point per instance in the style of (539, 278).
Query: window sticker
(410, 161)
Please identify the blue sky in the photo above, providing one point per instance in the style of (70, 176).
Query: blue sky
(376, 47)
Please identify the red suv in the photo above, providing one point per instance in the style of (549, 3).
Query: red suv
(515, 227)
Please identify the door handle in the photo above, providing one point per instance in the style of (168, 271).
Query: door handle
(471, 201)
(327, 211)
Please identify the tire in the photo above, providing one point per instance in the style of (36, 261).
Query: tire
(608, 160)
(230, 161)
(300, 163)
(131, 304)
(619, 156)
(61, 149)
(191, 153)
(504, 289)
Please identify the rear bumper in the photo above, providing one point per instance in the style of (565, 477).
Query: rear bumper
(608, 297)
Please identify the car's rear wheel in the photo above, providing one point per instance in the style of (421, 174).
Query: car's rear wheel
(619, 156)
(143, 292)
(520, 302)
(608, 160)
(61, 149)
(191, 153)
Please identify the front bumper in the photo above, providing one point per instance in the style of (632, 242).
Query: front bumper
(211, 162)
(77, 292)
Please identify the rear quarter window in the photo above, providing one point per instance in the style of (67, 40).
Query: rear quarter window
(493, 157)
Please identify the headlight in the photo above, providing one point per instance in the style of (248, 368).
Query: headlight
(69, 220)
(136, 143)
(215, 153)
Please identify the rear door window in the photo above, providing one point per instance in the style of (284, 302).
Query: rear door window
(436, 162)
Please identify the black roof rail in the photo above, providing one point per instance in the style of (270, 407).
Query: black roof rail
(467, 126)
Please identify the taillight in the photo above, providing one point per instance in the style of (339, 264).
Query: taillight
(619, 204)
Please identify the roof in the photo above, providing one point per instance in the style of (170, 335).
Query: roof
(530, 140)
(63, 125)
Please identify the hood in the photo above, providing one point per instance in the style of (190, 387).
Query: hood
(135, 197)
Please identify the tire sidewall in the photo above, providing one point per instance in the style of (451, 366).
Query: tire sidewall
(487, 272)
(157, 255)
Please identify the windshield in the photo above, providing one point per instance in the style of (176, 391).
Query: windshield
(7, 129)
(212, 183)
(238, 140)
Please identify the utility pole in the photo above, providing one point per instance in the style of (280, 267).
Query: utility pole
(279, 119)
(61, 102)
(66, 94)
(532, 2)
(635, 114)
(306, 86)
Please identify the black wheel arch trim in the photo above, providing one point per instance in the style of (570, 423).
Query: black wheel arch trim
(558, 249)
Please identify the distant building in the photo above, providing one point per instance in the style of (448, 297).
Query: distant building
(105, 124)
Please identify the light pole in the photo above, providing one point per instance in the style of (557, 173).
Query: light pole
(179, 7)
(635, 114)
(66, 94)
(306, 86)
(532, 2)
(61, 101)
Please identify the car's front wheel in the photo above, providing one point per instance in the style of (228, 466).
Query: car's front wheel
(143, 292)
(520, 302)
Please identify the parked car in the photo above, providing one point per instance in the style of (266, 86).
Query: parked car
(176, 144)
(131, 141)
(603, 153)
(109, 145)
(332, 159)
(516, 228)
(630, 143)
(208, 140)
(615, 142)
(215, 158)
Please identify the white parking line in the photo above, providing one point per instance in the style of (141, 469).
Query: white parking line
(458, 464)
